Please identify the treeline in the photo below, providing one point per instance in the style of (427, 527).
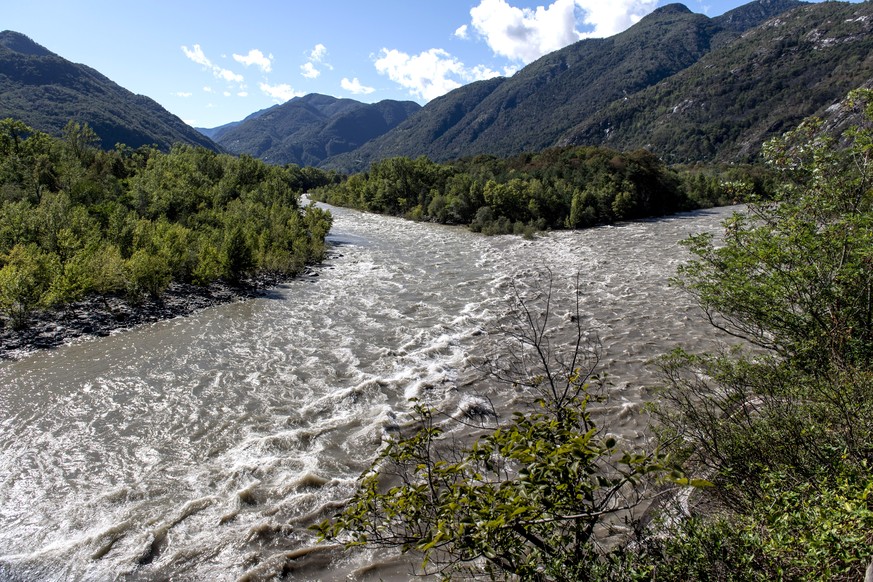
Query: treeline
(558, 188)
(77, 220)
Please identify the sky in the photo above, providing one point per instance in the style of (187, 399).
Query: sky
(215, 62)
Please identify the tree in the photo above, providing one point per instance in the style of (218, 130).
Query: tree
(783, 427)
(25, 279)
(147, 274)
(525, 500)
(794, 275)
(238, 258)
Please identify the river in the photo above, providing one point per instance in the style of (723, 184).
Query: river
(200, 448)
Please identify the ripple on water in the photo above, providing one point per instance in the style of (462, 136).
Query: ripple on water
(201, 447)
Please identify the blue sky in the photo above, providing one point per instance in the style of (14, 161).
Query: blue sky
(215, 62)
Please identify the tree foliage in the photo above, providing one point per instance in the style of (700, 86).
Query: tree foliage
(77, 220)
(783, 431)
(557, 188)
(794, 275)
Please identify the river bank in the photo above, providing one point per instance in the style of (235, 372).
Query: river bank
(98, 316)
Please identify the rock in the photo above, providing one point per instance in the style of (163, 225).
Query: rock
(99, 316)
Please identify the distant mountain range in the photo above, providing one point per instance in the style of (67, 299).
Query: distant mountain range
(46, 91)
(308, 130)
(687, 87)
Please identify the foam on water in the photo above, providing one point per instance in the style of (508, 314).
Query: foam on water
(201, 447)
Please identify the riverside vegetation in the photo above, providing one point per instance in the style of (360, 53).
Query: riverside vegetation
(773, 438)
(573, 187)
(77, 221)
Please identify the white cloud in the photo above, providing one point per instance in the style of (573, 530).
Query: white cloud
(461, 31)
(197, 55)
(309, 71)
(242, 94)
(183, 94)
(257, 58)
(429, 74)
(316, 56)
(524, 34)
(355, 87)
(608, 18)
(318, 53)
(227, 75)
(227, 93)
(208, 89)
(280, 93)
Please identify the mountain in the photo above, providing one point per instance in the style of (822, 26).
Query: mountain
(306, 130)
(537, 106)
(728, 103)
(214, 133)
(46, 91)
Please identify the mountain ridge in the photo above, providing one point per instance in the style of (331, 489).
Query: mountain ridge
(46, 91)
(726, 105)
(553, 94)
(687, 87)
(306, 130)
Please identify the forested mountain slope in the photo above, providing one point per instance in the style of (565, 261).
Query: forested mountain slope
(763, 84)
(533, 109)
(46, 91)
(309, 129)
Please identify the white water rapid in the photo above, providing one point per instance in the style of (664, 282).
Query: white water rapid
(200, 448)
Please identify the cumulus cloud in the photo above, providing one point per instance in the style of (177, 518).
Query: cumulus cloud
(256, 58)
(280, 93)
(183, 94)
(318, 53)
(608, 18)
(197, 55)
(429, 74)
(227, 75)
(355, 87)
(461, 31)
(309, 71)
(524, 34)
(315, 57)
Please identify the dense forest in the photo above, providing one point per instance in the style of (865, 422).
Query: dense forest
(77, 220)
(573, 187)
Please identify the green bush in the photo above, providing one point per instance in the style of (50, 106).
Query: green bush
(25, 280)
(147, 274)
(75, 220)
(783, 428)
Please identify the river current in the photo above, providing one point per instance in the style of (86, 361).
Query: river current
(200, 448)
